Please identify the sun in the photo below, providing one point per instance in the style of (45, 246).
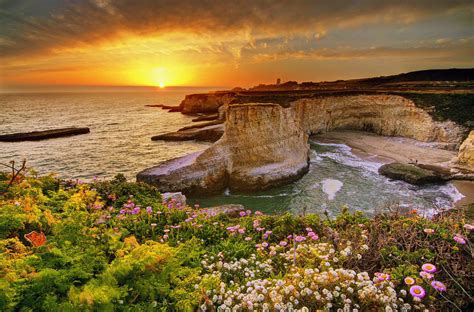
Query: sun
(161, 84)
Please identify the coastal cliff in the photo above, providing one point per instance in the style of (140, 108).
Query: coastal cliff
(205, 103)
(466, 152)
(263, 146)
(389, 115)
(264, 142)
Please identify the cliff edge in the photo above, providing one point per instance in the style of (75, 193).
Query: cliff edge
(263, 146)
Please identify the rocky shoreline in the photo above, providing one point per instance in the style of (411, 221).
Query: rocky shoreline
(261, 145)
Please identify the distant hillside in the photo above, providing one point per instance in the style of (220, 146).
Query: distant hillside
(431, 78)
(453, 74)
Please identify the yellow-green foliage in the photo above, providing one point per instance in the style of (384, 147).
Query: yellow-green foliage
(114, 246)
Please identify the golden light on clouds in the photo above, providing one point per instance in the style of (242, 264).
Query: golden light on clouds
(192, 43)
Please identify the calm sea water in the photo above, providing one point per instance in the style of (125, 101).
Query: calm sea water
(119, 142)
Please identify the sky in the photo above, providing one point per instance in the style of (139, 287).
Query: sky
(227, 43)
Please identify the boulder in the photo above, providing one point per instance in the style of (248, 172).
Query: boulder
(412, 174)
(232, 210)
(177, 197)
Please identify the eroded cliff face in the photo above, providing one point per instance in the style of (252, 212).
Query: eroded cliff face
(205, 103)
(389, 115)
(263, 146)
(466, 152)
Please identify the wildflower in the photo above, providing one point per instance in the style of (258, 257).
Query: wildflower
(459, 239)
(258, 213)
(136, 210)
(264, 244)
(165, 236)
(429, 231)
(426, 275)
(283, 243)
(149, 210)
(242, 213)
(241, 231)
(248, 238)
(417, 291)
(468, 227)
(153, 225)
(428, 267)
(383, 276)
(308, 229)
(438, 286)
(409, 280)
(299, 238)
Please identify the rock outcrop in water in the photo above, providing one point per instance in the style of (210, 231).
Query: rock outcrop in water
(43, 135)
(263, 146)
(205, 103)
(412, 174)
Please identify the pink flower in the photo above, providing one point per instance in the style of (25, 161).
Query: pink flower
(248, 238)
(165, 236)
(283, 243)
(417, 291)
(409, 280)
(428, 267)
(438, 286)
(300, 238)
(382, 276)
(242, 213)
(308, 229)
(468, 227)
(241, 231)
(459, 239)
(149, 210)
(258, 213)
(426, 275)
(264, 244)
(429, 231)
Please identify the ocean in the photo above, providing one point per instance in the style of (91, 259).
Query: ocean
(120, 139)
(121, 127)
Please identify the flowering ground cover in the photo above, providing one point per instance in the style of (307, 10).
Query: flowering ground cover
(116, 246)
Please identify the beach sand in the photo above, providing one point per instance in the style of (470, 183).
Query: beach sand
(388, 149)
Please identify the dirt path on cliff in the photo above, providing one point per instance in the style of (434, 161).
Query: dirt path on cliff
(388, 149)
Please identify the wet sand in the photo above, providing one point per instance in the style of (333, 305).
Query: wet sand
(388, 149)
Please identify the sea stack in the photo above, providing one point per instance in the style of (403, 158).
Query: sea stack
(263, 146)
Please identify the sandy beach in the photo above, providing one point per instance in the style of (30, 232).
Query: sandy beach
(389, 149)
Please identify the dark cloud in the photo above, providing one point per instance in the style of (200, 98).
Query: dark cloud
(34, 27)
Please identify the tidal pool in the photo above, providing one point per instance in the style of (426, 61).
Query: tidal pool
(337, 178)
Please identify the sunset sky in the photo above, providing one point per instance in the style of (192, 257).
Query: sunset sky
(227, 43)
